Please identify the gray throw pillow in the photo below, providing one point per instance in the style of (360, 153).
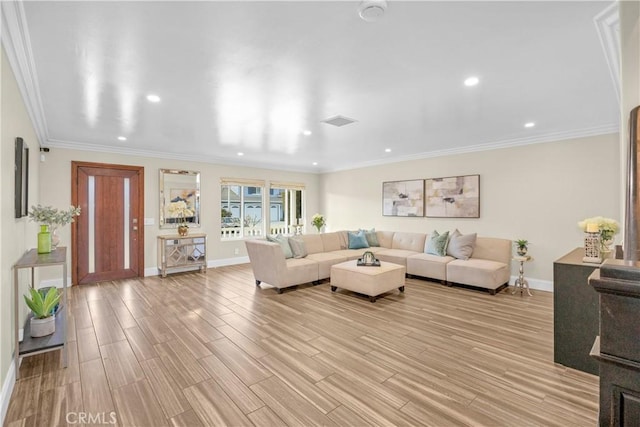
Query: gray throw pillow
(372, 237)
(298, 247)
(284, 244)
(461, 246)
(437, 244)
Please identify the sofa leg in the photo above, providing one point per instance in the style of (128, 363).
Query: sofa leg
(401, 288)
(279, 290)
(373, 299)
(449, 284)
(492, 291)
(258, 282)
(333, 288)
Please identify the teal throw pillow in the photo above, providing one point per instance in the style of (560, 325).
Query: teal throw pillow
(284, 244)
(357, 240)
(372, 237)
(437, 244)
(298, 247)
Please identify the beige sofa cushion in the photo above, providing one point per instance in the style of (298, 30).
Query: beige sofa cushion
(313, 243)
(331, 241)
(478, 272)
(493, 248)
(396, 256)
(408, 241)
(385, 238)
(325, 260)
(269, 265)
(426, 265)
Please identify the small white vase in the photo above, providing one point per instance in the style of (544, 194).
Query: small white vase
(43, 327)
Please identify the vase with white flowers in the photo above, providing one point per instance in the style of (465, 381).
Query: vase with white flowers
(180, 211)
(318, 221)
(50, 220)
(607, 229)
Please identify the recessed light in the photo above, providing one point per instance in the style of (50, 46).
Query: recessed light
(315, 163)
(122, 138)
(240, 154)
(529, 125)
(153, 98)
(387, 150)
(471, 81)
(306, 132)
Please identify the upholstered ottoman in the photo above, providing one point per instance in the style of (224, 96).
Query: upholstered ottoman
(371, 281)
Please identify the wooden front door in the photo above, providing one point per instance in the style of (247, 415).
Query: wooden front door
(108, 235)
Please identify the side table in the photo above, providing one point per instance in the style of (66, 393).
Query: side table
(521, 282)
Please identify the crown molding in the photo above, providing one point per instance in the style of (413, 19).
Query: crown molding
(199, 158)
(509, 143)
(607, 24)
(17, 44)
(548, 137)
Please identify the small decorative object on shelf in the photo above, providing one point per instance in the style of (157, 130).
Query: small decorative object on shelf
(52, 218)
(180, 210)
(43, 322)
(521, 246)
(606, 229)
(44, 240)
(592, 244)
(318, 221)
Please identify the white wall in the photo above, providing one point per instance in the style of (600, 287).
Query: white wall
(536, 192)
(16, 235)
(55, 181)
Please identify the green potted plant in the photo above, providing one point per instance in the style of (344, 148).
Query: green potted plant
(43, 321)
(521, 246)
(318, 221)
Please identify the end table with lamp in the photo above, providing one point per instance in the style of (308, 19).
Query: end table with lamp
(521, 282)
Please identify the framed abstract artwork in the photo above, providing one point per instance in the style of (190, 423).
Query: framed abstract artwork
(403, 198)
(453, 197)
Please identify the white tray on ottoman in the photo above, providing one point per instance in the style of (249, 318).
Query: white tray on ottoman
(368, 280)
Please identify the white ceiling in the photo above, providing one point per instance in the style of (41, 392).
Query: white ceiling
(251, 76)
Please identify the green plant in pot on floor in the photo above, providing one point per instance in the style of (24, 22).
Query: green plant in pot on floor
(43, 307)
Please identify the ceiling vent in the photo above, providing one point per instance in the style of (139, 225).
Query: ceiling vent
(339, 121)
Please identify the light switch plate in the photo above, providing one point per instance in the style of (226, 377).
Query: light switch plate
(149, 221)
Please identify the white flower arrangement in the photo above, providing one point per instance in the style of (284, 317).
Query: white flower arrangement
(52, 216)
(180, 210)
(318, 221)
(608, 227)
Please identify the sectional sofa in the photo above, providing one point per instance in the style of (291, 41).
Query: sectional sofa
(488, 266)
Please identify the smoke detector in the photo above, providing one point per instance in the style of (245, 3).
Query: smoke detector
(372, 10)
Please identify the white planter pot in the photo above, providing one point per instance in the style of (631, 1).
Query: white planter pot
(43, 327)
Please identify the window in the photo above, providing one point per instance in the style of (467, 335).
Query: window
(286, 208)
(242, 213)
(241, 208)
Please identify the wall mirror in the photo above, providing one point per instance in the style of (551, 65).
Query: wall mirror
(179, 186)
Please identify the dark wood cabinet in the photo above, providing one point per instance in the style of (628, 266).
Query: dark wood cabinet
(575, 312)
(617, 349)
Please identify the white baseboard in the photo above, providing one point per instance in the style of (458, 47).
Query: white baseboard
(541, 285)
(7, 389)
(153, 271)
(228, 261)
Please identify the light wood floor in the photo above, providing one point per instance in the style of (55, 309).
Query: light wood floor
(213, 349)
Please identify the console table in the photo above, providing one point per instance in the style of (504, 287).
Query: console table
(575, 312)
(181, 253)
(58, 340)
